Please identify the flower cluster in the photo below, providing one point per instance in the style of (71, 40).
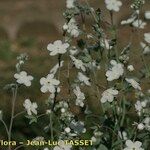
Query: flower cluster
(104, 94)
(72, 28)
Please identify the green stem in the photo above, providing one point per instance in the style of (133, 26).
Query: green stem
(124, 112)
(6, 128)
(51, 128)
(20, 113)
(12, 114)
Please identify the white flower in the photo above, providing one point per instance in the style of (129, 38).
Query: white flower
(30, 107)
(133, 145)
(133, 83)
(139, 106)
(72, 28)
(70, 3)
(46, 148)
(115, 72)
(80, 96)
(62, 146)
(147, 14)
(23, 78)
(139, 24)
(130, 68)
(67, 130)
(49, 84)
(109, 95)
(57, 48)
(147, 37)
(78, 63)
(56, 67)
(113, 5)
(140, 126)
(146, 49)
(62, 110)
(84, 79)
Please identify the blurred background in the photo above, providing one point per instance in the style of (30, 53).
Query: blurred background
(27, 26)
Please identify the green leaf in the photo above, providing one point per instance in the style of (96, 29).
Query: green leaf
(86, 58)
(33, 119)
